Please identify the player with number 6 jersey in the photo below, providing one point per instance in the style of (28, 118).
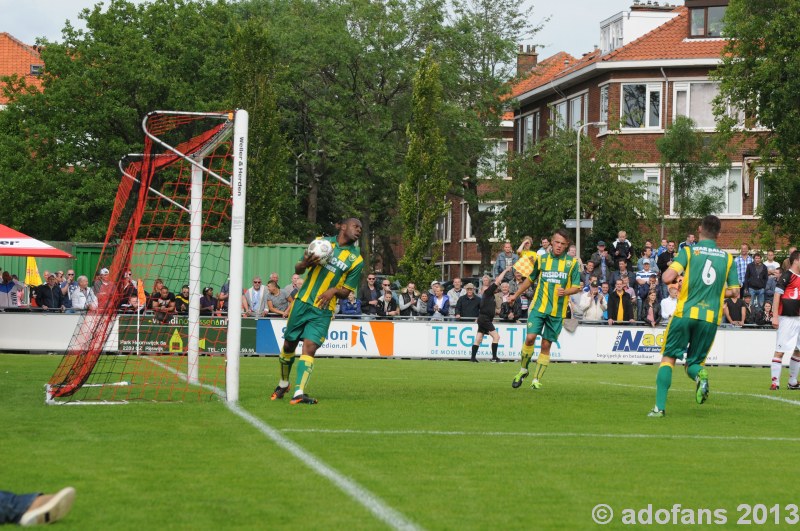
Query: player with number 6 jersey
(708, 277)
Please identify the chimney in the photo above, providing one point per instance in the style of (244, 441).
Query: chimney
(527, 59)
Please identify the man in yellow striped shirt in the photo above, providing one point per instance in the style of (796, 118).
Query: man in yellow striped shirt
(558, 277)
(312, 310)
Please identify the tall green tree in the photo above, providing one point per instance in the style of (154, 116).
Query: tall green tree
(59, 148)
(760, 76)
(693, 161)
(542, 194)
(480, 47)
(423, 190)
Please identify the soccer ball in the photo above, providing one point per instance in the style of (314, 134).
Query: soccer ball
(321, 248)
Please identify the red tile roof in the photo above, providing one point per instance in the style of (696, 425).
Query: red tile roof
(17, 58)
(668, 41)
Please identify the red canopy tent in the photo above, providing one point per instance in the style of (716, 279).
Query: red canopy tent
(14, 243)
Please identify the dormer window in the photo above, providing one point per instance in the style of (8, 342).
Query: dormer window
(705, 17)
(36, 70)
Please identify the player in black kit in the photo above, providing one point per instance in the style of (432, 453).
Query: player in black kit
(486, 316)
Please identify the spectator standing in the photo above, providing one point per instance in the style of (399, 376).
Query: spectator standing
(422, 304)
(524, 248)
(208, 303)
(9, 290)
(386, 286)
(786, 318)
(277, 300)
(770, 262)
(49, 296)
(454, 294)
(469, 305)
(622, 273)
(644, 285)
(736, 310)
(587, 274)
(224, 294)
(370, 294)
(83, 298)
(690, 241)
(602, 262)
(741, 262)
(255, 299)
(575, 303)
(755, 279)
(164, 305)
(485, 283)
(622, 248)
(620, 307)
(101, 283)
(504, 261)
(388, 306)
(515, 282)
(651, 310)
(772, 281)
(439, 305)
(593, 303)
(407, 300)
(669, 304)
(68, 286)
(544, 248)
(647, 257)
(785, 263)
(182, 301)
(605, 291)
(663, 262)
(292, 287)
(661, 248)
(350, 306)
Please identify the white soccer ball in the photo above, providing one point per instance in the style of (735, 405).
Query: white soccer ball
(322, 249)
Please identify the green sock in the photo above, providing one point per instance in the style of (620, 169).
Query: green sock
(287, 360)
(527, 354)
(663, 382)
(692, 371)
(304, 368)
(541, 365)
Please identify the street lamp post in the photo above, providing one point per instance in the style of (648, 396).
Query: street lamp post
(578, 189)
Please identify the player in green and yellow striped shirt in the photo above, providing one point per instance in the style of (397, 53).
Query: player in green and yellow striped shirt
(707, 271)
(312, 310)
(558, 277)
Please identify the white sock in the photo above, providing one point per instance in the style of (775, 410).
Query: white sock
(283, 383)
(794, 368)
(777, 365)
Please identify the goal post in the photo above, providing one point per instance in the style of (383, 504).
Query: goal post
(177, 224)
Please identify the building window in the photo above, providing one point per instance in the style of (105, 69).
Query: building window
(758, 184)
(604, 108)
(706, 21)
(641, 106)
(444, 226)
(559, 113)
(498, 228)
(577, 112)
(731, 184)
(528, 131)
(652, 179)
(36, 70)
(495, 163)
(696, 100)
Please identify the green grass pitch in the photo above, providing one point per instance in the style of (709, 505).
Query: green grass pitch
(449, 445)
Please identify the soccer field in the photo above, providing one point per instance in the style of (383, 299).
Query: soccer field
(435, 445)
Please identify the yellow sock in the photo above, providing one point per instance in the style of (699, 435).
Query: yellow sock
(286, 360)
(541, 365)
(527, 354)
(304, 370)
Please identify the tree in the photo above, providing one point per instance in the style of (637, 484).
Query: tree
(542, 193)
(422, 193)
(693, 161)
(59, 148)
(760, 77)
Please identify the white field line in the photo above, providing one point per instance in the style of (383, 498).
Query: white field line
(554, 435)
(750, 395)
(359, 494)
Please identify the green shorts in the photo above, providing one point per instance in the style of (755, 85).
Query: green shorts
(547, 326)
(307, 322)
(692, 336)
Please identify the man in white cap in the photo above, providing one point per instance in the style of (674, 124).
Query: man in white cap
(101, 282)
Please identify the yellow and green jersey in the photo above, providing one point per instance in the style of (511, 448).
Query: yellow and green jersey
(554, 272)
(706, 271)
(343, 270)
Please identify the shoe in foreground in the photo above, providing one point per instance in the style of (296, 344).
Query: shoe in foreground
(536, 384)
(701, 393)
(51, 510)
(793, 387)
(519, 378)
(656, 413)
(303, 399)
(774, 387)
(279, 392)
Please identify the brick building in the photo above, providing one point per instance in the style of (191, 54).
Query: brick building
(17, 58)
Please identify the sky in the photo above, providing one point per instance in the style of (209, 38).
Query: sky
(574, 25)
